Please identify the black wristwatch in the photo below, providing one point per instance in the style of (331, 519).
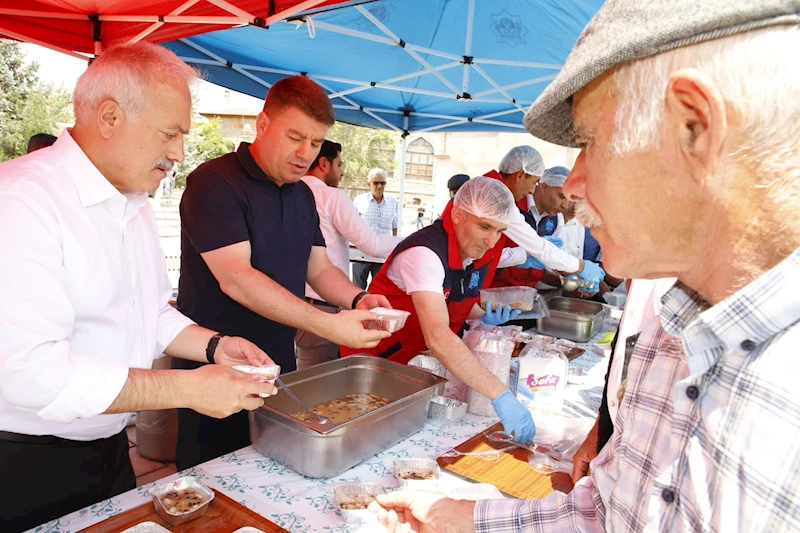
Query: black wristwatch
(358, 298)
(212, 347)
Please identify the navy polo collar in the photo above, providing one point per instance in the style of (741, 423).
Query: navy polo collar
(249, 164)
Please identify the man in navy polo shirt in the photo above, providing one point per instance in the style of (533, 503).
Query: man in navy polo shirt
(250, 241)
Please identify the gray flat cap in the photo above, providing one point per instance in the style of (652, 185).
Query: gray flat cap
(624, 30)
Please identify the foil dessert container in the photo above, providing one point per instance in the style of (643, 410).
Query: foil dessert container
(445, 412)
(390, 320)
(352, 500)
(172, 518)
(264, 374)
(417, 473)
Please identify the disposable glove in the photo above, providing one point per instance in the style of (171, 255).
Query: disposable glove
(532, 262)
(593, 274)
(501, 315)
(517, 420)
(555, 240)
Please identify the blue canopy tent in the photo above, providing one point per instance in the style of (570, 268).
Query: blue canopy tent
(406, 65)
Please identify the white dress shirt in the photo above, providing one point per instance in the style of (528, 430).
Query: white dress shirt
(85, 294)
(381, 217)
(572, 233)
(551, 255)
(340, 223)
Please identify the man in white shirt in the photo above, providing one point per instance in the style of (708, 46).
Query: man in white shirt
(571, 231)
(85, 306)
(340, 223)
(548, 199)
(381, 213)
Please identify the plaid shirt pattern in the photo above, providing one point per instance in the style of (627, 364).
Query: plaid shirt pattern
(381, 217)
(707, 437)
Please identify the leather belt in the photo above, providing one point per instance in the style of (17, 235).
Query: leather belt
(31, 439)
(9, 436)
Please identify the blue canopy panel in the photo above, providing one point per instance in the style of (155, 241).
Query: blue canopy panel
(414, 65)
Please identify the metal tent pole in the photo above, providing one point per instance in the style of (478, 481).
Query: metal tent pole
(402, 176)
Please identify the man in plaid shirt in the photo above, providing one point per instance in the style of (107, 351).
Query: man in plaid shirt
(694, 106)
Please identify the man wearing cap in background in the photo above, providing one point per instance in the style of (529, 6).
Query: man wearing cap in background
(696, 107)
(40, 140)
(381, 213)
(520, 169)
(455, 182)
(436, 274)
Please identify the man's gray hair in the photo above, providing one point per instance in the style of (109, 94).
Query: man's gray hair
(123, 73)
(376, 173)
(756, 80)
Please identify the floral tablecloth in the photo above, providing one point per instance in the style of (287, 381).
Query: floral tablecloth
(301, 504)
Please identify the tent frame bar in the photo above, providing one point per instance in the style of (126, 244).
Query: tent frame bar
(238, 18)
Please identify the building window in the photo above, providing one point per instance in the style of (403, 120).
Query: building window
(419, 160)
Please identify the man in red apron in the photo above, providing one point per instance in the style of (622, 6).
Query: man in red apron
(437, 274)
(520, 169)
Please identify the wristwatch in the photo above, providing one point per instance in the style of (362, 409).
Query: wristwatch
(358, 298)
(212, 347)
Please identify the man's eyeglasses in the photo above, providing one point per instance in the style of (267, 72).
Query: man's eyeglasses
(379, 183)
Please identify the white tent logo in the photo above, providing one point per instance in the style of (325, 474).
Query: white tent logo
(508, 28)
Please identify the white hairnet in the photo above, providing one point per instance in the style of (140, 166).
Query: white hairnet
(555, 176)
(486, 198)
(525, 158)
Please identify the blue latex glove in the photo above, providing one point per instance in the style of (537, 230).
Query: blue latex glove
(555, 240)
(593, 274)
(501, 314)
(532, 262)
(517, 420)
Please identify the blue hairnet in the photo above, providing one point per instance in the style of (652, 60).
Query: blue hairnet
(555, 176)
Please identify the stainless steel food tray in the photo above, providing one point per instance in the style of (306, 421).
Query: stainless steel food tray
(317, 450)
(573, 319)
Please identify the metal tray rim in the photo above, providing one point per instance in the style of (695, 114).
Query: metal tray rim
(324, 429)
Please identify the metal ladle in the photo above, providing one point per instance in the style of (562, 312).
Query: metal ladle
(569, 283)
(320, 418)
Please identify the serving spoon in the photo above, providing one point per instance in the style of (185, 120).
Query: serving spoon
(502, 436)
(489, 455)
(322, 419)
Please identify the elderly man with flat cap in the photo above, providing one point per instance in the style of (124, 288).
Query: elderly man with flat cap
(693, 105)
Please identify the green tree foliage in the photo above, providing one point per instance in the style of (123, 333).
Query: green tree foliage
(27, 105)
(204, 142)
(362, 150)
